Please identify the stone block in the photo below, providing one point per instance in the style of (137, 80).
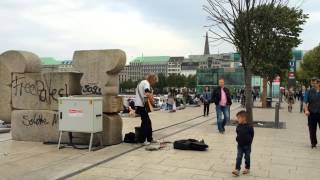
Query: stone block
(5, 101)
(5, 94)
(17, 61)
(41, 126)
(112, 104)
(11, 62)
(100, 70)
(34, 125)
(40, 91)
(112, 129)
(5, 112)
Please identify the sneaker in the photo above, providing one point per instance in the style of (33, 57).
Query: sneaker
(146, 143)
(154, 142)
(246, 171)
(313, 146)
(236, 172)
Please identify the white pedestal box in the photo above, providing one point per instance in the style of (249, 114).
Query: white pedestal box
(80, 114)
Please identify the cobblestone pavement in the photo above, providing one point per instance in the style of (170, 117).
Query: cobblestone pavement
(276, 153)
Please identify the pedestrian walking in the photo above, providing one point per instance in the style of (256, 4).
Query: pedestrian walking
(290, 100)
(206, 96)
(222, 100)
(143, 97)
(312, 110)
(245, 134)
(301, 94)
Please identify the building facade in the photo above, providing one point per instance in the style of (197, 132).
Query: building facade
(124, 74)
(142, 66)
(174, 65)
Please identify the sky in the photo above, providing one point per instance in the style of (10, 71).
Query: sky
(56, 28)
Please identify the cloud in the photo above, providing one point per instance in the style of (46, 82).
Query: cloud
(310, 32)
(64, 26)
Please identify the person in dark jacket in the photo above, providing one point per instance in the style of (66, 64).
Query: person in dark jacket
(222, 99)
(312, 110)
(245, 134)
(206, 96)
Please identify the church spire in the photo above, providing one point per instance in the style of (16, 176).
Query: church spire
(206, 46)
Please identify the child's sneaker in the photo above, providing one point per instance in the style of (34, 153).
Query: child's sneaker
(236, 172)
(246, 171)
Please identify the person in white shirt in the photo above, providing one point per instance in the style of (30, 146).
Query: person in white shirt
(143, 92)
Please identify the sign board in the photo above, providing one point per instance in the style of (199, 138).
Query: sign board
(291, 75)
(292, 64)
(75, 112)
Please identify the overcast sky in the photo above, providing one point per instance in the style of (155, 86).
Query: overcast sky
(55, 28)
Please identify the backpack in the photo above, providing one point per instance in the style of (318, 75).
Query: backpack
(130, 138)
(190, 144)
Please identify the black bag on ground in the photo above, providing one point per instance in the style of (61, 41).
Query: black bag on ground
(190, 144)
(130, 138)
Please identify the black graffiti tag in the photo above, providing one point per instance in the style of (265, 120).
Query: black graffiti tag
(38, 120)
(91, 89)
(42, 89)
(35, 120)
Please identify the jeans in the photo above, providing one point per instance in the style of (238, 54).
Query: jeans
(243, 150)
(226, 116)
(313, 121)
(206, 107)
(146, 126)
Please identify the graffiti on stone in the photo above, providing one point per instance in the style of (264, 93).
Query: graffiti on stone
(38, 120)
(91, 88)
(42, 89)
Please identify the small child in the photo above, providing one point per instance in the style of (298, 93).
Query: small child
(245, 135)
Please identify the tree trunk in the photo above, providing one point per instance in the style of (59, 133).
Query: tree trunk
(264, 93)
(270, 89)
(248, 92)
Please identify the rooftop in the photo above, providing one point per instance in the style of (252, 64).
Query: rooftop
(152, 59)
(49, 61)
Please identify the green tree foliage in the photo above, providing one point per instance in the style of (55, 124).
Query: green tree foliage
(310, 67)
(277, 32)
(191, 81)
(162, 83)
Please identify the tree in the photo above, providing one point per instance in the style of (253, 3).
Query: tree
(162, 83)
(310, 65)
(278, 29)
(191, 81)
(181, 81)
(235, 22)
(172, 80)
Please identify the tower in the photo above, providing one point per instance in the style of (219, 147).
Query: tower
(206, 46)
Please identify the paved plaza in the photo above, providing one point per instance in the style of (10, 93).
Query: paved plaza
(276, 153)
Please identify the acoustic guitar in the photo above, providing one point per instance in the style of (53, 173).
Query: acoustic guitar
(149, 103)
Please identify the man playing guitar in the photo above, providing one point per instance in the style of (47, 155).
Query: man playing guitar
(144, 104)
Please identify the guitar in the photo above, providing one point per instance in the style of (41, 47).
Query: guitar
(149, 103)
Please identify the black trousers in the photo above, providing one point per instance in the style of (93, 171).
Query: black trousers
(313, 121)
(206, 107)
(146, 126)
